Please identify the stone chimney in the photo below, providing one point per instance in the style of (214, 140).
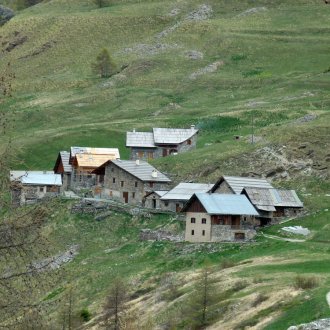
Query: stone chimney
(134, 130)
(154, 174)
(192, 127)
(137, 162)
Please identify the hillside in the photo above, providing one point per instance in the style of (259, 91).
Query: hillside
(224, 66)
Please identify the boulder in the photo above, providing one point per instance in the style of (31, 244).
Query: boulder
(5, 14)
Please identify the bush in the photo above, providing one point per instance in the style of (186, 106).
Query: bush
(226, 263)
(259, 299)
(85, 315)
(305, 282)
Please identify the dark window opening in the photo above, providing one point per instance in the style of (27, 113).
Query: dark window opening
(193, 220)
(203, 233)
(122, 183)
(192, 232)
(203, 221)
(113, 180)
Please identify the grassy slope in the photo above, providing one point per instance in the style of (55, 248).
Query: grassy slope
(276, 59)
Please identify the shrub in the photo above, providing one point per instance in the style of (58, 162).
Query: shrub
(226, 263)
(85, 315)
(305, 282)
(259, 299)
(240, 285)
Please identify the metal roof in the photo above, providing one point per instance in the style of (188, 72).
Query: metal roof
(226, 204)
(184, 191)
(46, 178)
(238, 183)
(142, 170)
(65, 156)
(140, 139)
(94, 160)
(268, 199)
(160, 193)
(173, 135)
(94, 151)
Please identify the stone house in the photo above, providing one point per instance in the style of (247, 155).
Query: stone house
(176, 198)
(273, 204)
(235, 184)
(85, 160)
(160, 142)
(64, 168)
(31, 186)
(219, 218)
(128, 181)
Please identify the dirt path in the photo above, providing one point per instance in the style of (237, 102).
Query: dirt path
(285, 239)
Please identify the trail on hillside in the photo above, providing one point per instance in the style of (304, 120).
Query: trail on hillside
(294, 240)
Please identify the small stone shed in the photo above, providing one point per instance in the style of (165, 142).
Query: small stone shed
(128, 181)
(219, 218)
(152, 200)
(30, 186)
(273, 203)
(161, 142)
(175, 199)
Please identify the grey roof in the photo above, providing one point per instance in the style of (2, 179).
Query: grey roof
(140, 139)
(238, 183)
(46, 178)
(268, 199)
(65, 156)
(159, 136)
(183, 191)
(173, 135)
(226, 204)
(142, 171)
(160, 193)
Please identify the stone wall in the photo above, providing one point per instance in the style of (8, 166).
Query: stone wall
(223, 233)
(224, 189)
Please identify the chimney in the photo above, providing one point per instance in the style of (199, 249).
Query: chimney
(154, 174)
(134, 130)
(137, 162)
(192, 127)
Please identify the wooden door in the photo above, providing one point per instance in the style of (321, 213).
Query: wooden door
(235, 221)
(125, 196)
(164, 152)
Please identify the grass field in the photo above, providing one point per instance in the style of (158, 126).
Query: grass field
(274, 70)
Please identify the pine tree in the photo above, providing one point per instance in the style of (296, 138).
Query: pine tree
(104, 65)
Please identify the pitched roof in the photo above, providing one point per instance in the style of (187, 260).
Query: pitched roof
(140, 139)
(93, 160)
(142, 171)
(114, 152)
(268, 199)
(159, 136)
(173, 135)
(160, 193)
(237, 183)
(183, 191)
(36, 177)
(229, 204)
(65, 156)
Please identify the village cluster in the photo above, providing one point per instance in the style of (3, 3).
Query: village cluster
(228, 210)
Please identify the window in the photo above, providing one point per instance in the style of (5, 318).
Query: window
(113, 180)
(193, 220)
(166, 203)
(136, 184)
(203, 221)
(112, 169)
(133, 194)
(122, 183)
(189, 142)
(203, 232)
(151, 184)
(150, 155)
(192, 233)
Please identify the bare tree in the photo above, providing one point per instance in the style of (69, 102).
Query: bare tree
(24, 280)
(198, 308)
(115, 305)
